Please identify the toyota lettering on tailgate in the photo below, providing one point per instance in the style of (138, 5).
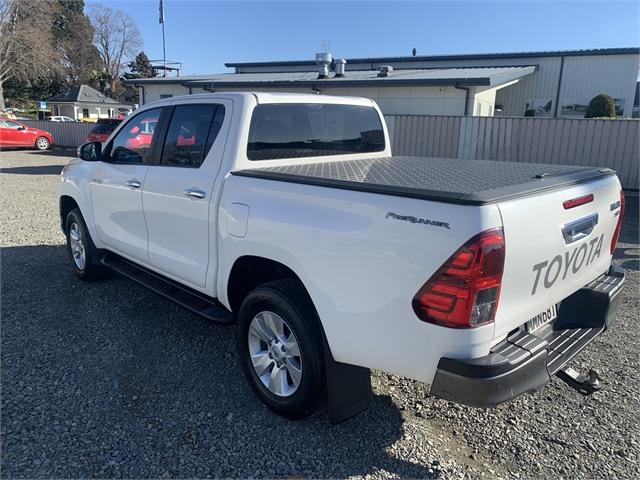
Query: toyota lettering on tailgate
(548, 272)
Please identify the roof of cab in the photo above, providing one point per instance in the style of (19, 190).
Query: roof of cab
(266, 97)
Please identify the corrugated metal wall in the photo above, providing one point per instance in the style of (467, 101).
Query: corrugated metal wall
(604, 143)
(65, 134)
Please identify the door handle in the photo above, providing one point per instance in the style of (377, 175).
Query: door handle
(194, 193)
(134, 184)
(574, 231)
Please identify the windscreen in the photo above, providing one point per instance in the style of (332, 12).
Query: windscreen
(310, 130)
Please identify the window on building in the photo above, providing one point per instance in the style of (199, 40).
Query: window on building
(85, 113)
(133, 142)
(309, 130)
(191, 133)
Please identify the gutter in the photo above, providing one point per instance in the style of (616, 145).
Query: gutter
(466, 97)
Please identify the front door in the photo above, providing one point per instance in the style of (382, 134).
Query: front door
(116, 187)
(14, 134)
(178, 192)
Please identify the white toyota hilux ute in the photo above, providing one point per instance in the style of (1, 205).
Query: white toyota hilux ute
(288, 216)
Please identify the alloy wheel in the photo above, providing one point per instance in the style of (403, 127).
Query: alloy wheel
(275, 354)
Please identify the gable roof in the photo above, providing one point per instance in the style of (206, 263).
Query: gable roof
(82, 94)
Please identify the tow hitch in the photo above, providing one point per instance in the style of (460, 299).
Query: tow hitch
(586, 384)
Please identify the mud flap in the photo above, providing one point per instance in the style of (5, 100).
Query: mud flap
(348, 388)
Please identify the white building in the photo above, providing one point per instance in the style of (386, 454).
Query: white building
(84, 102)
(549, 84)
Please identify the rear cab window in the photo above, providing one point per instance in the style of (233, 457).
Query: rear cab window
(280, 131)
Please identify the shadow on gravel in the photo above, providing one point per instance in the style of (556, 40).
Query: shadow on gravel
(34, 170)
(109, 380)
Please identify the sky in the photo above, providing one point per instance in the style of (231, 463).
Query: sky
(203, 35)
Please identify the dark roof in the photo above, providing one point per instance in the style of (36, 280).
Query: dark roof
(489, 76)
(82, 94)
(472, 56)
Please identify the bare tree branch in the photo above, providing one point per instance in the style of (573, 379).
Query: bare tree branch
(117, 39)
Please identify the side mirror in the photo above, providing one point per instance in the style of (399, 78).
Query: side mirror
(21, 128)
(90, 152)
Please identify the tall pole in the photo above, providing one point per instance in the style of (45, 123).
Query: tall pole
(164, 49)
(164, 52)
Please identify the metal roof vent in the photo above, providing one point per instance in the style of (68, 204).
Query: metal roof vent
(339, 67)
(385, 70)
(323, 60)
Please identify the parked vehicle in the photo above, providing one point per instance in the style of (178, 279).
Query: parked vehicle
(287, 215)
(59, 118)
(16, 134)
(103, 128)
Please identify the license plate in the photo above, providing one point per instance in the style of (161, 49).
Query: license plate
(541, 319)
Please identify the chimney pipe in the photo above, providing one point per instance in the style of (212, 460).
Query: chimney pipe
(339, 66)
(323, 60)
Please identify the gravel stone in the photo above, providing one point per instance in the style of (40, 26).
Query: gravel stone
(110, 380)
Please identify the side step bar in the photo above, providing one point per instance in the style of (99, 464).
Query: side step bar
(184, 296)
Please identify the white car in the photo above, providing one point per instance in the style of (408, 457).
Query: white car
(60, 118)
(288, 216)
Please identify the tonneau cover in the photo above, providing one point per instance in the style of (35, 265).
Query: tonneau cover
(470, 182)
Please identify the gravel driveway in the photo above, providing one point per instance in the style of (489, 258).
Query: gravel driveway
(109, 380)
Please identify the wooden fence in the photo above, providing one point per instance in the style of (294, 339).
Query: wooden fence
(604, 143)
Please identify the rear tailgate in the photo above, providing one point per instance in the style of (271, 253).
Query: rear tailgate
(543, 265)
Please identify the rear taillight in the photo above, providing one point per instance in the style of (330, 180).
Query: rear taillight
(464, 292)
(616, 232)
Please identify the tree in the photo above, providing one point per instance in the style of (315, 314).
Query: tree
(27, 52)
(117, 38)
(141, 67)
(601, 106)
(71, 30)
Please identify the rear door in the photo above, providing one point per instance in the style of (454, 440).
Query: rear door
(556, 243)
(178, 191)
(116, 186)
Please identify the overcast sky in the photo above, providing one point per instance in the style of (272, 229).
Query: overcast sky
(203, 35)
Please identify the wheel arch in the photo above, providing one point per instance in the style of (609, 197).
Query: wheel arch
(249, 271)
(66, 204)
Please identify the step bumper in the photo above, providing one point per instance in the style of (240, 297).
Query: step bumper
(524, 362)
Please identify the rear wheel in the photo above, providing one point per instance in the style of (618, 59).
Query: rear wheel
(280, 348)
(82, 252)
(42, 143)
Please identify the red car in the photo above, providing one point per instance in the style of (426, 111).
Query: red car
(15, 134)
(102, 129)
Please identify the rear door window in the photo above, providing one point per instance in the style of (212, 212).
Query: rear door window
(191, 132)
(309, 130)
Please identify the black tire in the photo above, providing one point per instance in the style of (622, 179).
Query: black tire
(288, 299)
(92, 270)
(42, 143)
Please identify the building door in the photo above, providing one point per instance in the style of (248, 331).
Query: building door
(85, 113)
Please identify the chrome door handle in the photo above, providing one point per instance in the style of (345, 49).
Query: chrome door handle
(194, 193)
(574, 231)
(134, 184)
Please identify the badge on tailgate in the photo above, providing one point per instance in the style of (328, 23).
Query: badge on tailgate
(547, 273)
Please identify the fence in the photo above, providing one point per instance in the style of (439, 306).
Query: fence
(604, 143)
(65, 134)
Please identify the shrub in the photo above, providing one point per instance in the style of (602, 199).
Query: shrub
(601, 106)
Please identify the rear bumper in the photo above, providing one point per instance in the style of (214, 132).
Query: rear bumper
(525, 362)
